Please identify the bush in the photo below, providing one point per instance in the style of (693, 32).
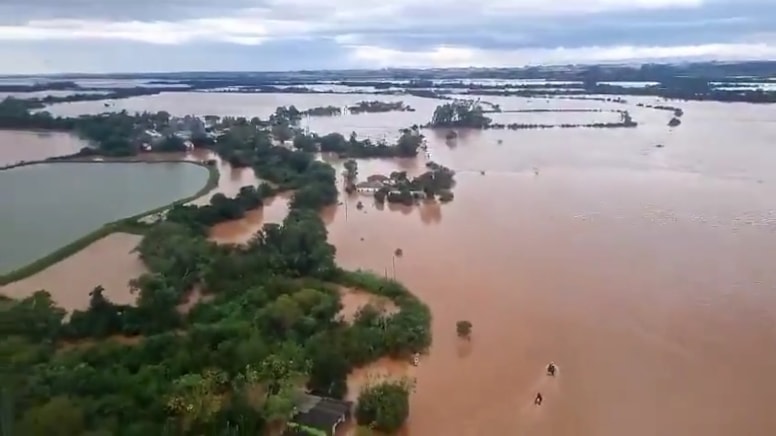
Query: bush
(385, 406)
(464, 328)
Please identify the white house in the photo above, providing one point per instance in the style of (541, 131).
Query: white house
(369, 187)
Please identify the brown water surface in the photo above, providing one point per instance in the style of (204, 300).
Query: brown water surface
(109, 262)
(645, 273)
(19, 145)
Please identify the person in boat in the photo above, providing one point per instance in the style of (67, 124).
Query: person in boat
(551, 369)
(538, 400)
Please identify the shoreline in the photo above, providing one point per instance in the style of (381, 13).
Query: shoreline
(123, 224)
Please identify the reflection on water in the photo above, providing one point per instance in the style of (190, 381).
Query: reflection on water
(644, 272)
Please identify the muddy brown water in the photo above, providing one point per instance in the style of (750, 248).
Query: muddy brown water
(17, 145)
(109, 262)
(645, 273)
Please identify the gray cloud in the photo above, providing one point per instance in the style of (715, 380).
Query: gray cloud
(341, 31)
(21, 11)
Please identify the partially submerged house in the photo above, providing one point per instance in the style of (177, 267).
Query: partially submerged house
(369, 187)
(318, 413)
(378, 178)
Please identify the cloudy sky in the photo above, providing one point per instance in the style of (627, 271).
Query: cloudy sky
(51, 36)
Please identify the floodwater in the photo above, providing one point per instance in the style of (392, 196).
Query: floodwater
(46, 93)
(109, 262)
(232, 104)
(18, 145)
(645, 273)
(354, 300)
(79, 198)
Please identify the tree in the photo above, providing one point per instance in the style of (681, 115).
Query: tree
(284, 312)
(463, 328)
(282, 132)
(60, 416)
(102, 319)
(385, 406)
(196, 398)
(305, 143)
(409, 142)
(36, 317)
(351, 170)
(172, 143)
(333, 142)
(460, 113)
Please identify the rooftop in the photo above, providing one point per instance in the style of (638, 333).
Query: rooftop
(377, 178)
(321, 413)
(370, 184)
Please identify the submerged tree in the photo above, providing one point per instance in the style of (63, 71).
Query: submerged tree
(385, 406)
(463, 328)
(460, 113)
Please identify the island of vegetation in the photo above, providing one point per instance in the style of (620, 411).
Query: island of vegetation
(470, 114)
(379, 106)
(323, 111)
(236, 139)
(437, 182)
(263, 334)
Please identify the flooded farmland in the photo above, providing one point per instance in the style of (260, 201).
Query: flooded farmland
(18, 145)
(644, 272)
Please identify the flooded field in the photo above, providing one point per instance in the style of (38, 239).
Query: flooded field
(644, 272)
(232, 104)
(47, 206)
(109, 262)
(16, 145)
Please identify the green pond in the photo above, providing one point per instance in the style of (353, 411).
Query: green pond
(46, 206)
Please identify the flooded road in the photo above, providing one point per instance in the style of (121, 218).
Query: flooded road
(644, 272)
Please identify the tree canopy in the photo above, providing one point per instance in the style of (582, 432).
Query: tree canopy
(268, 327)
